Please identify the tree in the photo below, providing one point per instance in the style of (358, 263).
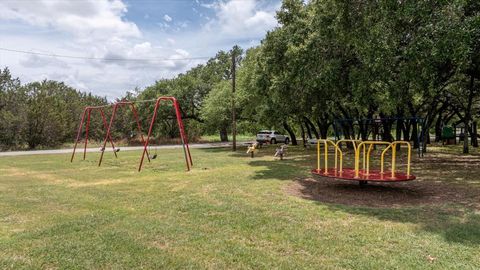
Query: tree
(11, 110)
(217, 111)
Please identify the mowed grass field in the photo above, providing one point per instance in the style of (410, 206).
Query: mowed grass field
(234, 212)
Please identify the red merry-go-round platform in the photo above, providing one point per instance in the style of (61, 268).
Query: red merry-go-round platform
(372, 176)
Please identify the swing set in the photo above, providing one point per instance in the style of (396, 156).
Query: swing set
(87, 112)
(85, 121)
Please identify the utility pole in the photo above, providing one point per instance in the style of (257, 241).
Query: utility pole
(234, 120)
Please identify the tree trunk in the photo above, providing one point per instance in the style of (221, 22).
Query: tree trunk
(468, 114)
(344, 126)
(438, 128)
(414, 137)
(465, 137)
(309, 132)
(351, 130)
(427, 122)
(399, 125)
(474, 134)
(293, 138)
(414, 122)
(323, 126)
(304, 139)
(311, 127)
(425, 134)
(363, 129)
(223, 134)
(406, 131)
(387, 129)
(347, 130)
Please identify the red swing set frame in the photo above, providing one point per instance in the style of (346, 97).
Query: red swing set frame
(87, 112)
(112, 119)
(131, 104)
(186, 148)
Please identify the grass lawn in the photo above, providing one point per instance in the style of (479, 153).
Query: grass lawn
(232, 211)
(202, 139)
(216, 138)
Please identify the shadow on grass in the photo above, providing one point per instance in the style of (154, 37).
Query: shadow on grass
(452, 212)
(453, 224)
(297, 162)
(438, 202)
(214, 150)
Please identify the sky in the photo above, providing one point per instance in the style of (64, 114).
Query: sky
(128, 43)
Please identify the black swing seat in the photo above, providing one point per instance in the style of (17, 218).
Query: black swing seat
(153, 156)
(115, 149)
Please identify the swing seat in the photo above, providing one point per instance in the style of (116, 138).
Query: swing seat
(153, 156)
(117, 150)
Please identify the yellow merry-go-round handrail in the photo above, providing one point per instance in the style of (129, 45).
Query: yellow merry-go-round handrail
(353, 142)
(338, 151)
(366, 156)
(393, 146)
(359, 148)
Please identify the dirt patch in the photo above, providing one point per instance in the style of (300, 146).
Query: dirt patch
(383, 195)
(442, 179)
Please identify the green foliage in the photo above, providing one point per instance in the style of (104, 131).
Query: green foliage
(216, 109)
(12, 103)
(42, 113)
(360, 59)
(327, 59)
(194, 90)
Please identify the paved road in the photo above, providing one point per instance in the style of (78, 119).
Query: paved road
(125, 148)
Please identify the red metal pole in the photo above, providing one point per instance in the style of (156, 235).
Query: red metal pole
(105, 127)
(184, 134)
(139, 128)
(186, 140)
(188, 159)
(87, 126)
(108, 134)
(149, 133)
(78, 133)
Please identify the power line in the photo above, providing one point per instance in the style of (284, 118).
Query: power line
(106, 59)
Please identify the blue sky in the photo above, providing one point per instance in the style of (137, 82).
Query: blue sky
(128, 29)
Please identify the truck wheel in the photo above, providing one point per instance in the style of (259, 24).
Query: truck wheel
(273, 141)
(287, 140)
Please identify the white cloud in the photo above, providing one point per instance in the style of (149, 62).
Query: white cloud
(82, 19)
(98, 28)
(105, 78)
(242, 19)
(144, 48)
(167, 18)
(182, 53)
(36, 61)
(175, 61)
